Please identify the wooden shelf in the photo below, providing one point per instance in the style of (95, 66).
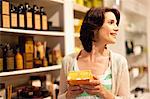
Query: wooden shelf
(76, 34)
(80, 8)
(50, 33)
(27, 71)
(80, 11)
(140, 81)
(58, 1)
(134, 7)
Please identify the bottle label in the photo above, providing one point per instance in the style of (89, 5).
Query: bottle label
(19, 63)
(29, 65)
(5, 7)
(28, 48)
(1, 64)
(10, 63)
(13, 19)
(21, 20)
(28, 56)
(45, 62)
(37, 22)
(6, 21)
(29, 20)
(44, 22)
(38, 62)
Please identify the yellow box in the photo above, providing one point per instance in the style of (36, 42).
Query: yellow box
(79, 77)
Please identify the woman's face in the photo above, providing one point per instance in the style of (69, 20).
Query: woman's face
(109, 30)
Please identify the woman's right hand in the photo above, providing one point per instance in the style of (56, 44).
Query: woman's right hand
(73, 91)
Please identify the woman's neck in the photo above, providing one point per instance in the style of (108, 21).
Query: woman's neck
(100, 50)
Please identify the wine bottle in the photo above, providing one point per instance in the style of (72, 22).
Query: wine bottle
(36, 18)
(4, 14)
(43, 18)
(1, 59)
(27, 50)
(5, 50)
(21, 17)
(13, 17)
(10, 60)
(28, 17)
(19, 60)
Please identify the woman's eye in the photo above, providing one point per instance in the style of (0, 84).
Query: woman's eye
(111, 22)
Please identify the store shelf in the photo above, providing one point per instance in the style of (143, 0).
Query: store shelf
(34, 32)
(134, 7)
(140, 81)
(57, 1)
(80, 8)
(76, 34)
(27, 71)
(80, 11)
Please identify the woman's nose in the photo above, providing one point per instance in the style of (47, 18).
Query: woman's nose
(116, 28)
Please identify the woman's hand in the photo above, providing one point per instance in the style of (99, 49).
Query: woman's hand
(73, 91)
(94, 87)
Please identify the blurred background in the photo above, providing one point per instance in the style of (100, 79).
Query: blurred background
(36, 34)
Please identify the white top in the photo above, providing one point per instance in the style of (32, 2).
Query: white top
(105, 80)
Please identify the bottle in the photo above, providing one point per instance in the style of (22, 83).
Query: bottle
(1, 59)
(37, 61)
(5, 50)
(28, 17)
(27, 50)
(19, 60)
(43, 18)
(4, 14)
(2, 91)
(36, 18)
(44, 90)
(10, 60)
(21, 17)
(13, 17)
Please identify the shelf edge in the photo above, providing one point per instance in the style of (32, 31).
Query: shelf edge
(34, 32)
(27, 71)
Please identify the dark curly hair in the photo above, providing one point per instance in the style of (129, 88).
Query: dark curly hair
(92, 22)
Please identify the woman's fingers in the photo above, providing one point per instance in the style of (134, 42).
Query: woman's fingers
(95, 78)
(74, 91)
(74, 88)
(94, 82)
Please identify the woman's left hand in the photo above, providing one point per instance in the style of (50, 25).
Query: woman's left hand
(94, 87)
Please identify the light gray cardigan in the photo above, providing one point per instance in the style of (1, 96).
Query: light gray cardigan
(120, 76)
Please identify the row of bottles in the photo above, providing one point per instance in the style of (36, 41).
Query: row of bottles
(23, 16)
(90, 3)
(28, 54)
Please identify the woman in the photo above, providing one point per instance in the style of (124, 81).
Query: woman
(110, 70)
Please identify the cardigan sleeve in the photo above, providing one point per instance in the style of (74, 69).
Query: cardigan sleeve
(63, 80)
(62, 87)
(66, 66)
(124, 82)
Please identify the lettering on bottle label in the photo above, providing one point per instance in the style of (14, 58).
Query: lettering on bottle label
(10, 63)
(14, 20)
(1, 64)
(29, 20)
(37, 22)
(6, 21)
(21, 20)
(28, 56)
(5, 7)
(44, 22)
(29, 48)
(29, 65)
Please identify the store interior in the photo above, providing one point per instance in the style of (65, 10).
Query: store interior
(35, 35)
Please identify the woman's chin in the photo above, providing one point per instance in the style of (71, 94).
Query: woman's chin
(112, 40)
